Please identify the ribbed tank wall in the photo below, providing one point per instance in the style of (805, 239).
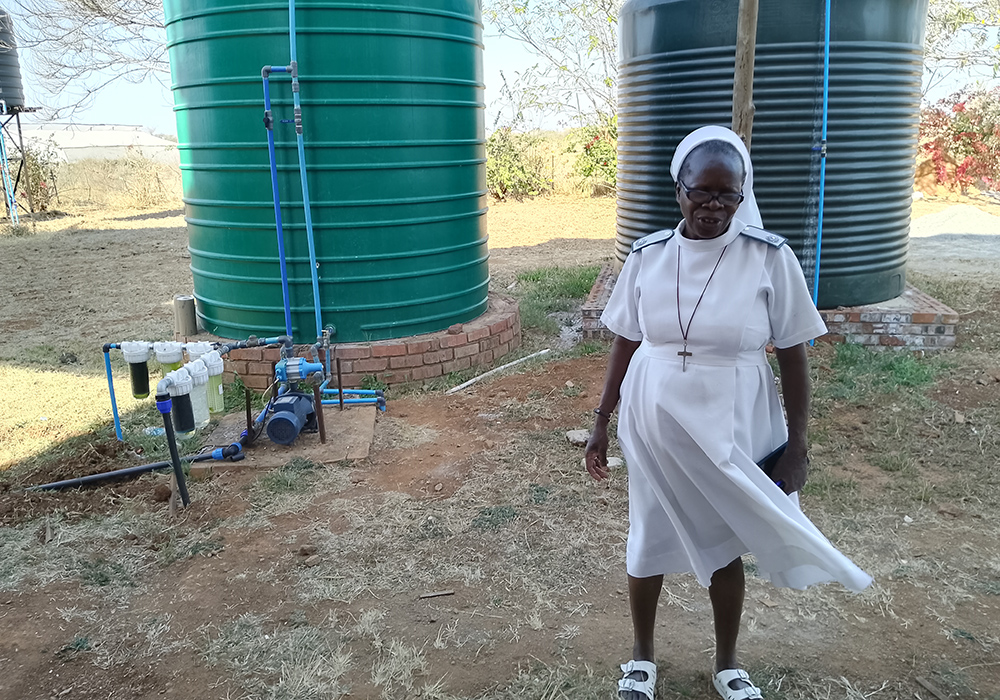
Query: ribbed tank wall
(677, 74)
(393, 120)
(11, 88)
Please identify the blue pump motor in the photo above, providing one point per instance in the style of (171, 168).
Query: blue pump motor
(290, 414)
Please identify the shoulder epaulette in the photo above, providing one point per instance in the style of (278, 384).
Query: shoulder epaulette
(760, 234)
(657, 237)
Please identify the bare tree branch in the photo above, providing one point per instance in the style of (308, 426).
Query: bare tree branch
(577, 42)
(79, 47)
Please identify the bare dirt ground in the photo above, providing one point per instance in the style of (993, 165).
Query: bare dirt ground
(307, 581)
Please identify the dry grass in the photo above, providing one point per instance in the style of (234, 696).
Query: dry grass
(517, 540)
(129, 183)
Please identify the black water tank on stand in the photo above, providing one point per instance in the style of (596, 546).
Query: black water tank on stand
(11, 90)
(676, 74)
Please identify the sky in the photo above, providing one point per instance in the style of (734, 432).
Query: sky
(150, 105)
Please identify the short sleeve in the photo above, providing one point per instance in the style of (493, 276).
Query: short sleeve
(793, 316)
(621, 315)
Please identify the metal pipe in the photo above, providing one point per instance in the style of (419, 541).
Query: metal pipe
(111, 388)
(340, 385)
(320, 421)
(27, 171)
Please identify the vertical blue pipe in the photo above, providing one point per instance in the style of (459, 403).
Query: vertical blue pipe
(275, 195)
(111, 389)
(822, 152)
(314, 273)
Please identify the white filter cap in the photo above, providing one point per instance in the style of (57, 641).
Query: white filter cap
(180, 382)
(135, 351)
(198, 372)
(169, 352)
(213, 361)
(197, 350)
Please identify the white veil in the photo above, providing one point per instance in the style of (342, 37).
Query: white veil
(748, 212)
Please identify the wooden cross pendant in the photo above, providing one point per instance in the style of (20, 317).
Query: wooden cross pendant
(684, 354)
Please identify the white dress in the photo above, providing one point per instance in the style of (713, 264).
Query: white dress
(691, 439)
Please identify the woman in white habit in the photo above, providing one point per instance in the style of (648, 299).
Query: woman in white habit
(692, 311)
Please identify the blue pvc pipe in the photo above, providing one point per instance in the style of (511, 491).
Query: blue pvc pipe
(822, 152)
(313, 271)
(359, 392)
(111, 389)
(277, 198)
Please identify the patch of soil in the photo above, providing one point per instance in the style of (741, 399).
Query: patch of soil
(92, 458)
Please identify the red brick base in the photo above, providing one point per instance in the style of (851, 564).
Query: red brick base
(418, 358)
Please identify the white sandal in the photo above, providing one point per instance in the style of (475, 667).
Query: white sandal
(722, 679)
(644, 686)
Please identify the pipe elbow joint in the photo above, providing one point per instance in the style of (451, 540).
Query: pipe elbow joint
(163, 404)
(107, 347)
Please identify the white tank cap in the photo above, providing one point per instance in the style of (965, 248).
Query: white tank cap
(180, 382)
(135, 351)
(197, 350)
(213, 361)
(198, 372)
(168, 352)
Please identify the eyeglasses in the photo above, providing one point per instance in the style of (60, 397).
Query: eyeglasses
(726, 199)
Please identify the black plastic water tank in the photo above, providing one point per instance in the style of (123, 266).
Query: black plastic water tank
(11, 90)
(677, 74)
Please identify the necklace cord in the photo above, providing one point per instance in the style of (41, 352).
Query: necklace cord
(680, 324)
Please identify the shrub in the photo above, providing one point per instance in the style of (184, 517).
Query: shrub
(596, 148)
(38, 174)
(514, 166)
(961, 135)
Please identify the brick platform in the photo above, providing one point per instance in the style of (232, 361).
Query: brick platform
(417, 358)
(913, 320)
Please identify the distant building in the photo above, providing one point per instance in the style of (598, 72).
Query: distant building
(73, 142)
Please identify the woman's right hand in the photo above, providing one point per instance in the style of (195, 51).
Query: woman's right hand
(597, 450)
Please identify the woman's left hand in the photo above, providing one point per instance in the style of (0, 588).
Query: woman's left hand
(791, 471)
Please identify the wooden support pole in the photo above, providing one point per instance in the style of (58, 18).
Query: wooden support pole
(746, 49)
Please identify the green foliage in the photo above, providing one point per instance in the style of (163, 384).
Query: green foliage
(549, 290)
(370, 381)
(576, 44)
(38, 177)
(961, 34)
(961, 134)
(596, 149)
(234, 397)
(295, 477)
(493, 518)
(514, 165)
(860, 372)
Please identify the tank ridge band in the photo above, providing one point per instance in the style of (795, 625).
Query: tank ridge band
(655, 237)
(772, 239)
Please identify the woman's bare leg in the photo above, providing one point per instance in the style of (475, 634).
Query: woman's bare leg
(643, 595)
(726, 592)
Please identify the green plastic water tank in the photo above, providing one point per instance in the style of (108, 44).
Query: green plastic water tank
(393, 118)
(677, 74)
